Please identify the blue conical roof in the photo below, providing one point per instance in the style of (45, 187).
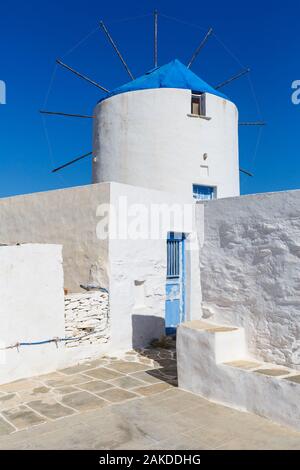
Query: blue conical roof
(172, 75)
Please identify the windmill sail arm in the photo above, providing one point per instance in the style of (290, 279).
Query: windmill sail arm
(71, 162)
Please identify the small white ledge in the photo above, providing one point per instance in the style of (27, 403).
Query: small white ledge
(206, 118)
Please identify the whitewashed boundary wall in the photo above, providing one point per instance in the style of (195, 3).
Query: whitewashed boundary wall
(37, 321)
(31, 309)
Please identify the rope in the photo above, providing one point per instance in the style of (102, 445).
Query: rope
(37, 343)
(187, 23)
(255, 100)
(95, 30)
(229, 51)
(130, 18)
(82, 41)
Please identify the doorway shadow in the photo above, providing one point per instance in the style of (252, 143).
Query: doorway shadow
(161, 349)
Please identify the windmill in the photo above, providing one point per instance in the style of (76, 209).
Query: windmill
(108, 93)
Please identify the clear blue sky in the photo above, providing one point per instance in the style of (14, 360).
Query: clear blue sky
(34, 33)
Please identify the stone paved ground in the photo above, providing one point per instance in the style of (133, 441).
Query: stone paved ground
(126, 403)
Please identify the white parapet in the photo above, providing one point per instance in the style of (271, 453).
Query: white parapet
(31, 309)
(41, 330)
(213, 362)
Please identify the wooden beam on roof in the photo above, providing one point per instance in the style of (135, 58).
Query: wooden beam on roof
(201, 45)
(80, 75)
(254, 123)
(155, 37)
(235, 77)
(71, 162)
(58, 113)
(116, 49)
(246, 172)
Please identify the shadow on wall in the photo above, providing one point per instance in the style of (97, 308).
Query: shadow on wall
(145, 328)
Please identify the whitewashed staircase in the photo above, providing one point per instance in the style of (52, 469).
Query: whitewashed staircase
(213, 362)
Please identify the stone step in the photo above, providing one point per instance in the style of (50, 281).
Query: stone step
(210, 327)
(226, 343)
(266, 368)
(213, 362)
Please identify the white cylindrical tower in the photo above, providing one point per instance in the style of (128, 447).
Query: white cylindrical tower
(170, 138)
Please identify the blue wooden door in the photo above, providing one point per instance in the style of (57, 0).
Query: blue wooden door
(175, 283)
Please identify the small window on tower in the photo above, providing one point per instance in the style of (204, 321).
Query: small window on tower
(198, 104)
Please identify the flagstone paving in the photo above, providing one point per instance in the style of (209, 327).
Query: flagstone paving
(128, 402)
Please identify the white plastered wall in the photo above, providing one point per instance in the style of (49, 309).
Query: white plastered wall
(70, 217)
(67, 217)
(137, 269)
(250, 270)
(31, 309)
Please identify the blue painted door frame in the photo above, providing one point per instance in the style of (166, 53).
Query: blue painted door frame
(175, 283)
